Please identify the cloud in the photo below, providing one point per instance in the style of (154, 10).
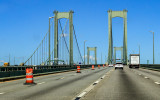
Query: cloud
(90, 57)
(1, 61)
(64, 35)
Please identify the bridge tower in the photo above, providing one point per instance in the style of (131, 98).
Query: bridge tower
(57, 16)
(88, 53)
(112, 14)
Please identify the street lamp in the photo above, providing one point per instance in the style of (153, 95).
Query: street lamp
(84, 51)
(139, 49)
(153, 45)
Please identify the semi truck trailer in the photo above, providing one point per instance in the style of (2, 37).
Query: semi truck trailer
(134, 61)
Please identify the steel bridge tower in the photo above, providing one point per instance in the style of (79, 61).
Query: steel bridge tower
(57, 16)
(112, 14)
(88, 53)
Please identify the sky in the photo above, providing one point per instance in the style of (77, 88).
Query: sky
(23, 24)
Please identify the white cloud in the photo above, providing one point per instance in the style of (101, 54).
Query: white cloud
(1, 61)
(90, 57)
(64, 35)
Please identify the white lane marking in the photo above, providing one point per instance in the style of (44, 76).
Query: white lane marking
(62, 78)
(41, 83)
(139, 74)
(96, 82)
(2, 93)
(145, 77)
(82, 94)
(157, 83)
(103, 76)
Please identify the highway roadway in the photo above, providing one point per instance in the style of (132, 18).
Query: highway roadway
(127, 84)
(60, 86)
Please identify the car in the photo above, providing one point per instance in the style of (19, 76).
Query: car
(110, 65)
(119, 65)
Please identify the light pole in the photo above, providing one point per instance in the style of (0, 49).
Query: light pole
(84, 51)
(139, 49)
(153, 45)
(9, 59)
(101, 57)
(49, 40)
(14, 60)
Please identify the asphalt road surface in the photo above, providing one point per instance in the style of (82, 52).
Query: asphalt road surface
(127, 84)
(61, 86)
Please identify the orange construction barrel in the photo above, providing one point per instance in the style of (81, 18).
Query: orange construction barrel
(78, 69)
(98, 66)
(92, 67)
(29, 76)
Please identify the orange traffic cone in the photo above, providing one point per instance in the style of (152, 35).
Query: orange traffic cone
(29, 76)
(78, 69)
(98, 66)
(92, 67)
(103, 65)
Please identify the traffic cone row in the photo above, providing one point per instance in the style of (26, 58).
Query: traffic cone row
(29, 74)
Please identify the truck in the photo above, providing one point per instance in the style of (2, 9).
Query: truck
(134, 61)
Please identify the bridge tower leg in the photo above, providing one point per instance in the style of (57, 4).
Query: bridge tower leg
(71, 37)
(125, 38)
(95, 55)
(88, 54)
(114, 55)
(56, 37)
(110, 48)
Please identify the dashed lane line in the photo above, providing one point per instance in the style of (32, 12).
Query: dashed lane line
(91, 87)
(41, 83)
(146, 77)
(62, 77)
(2, 93)
(157, 83)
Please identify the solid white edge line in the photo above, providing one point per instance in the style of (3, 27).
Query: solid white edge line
(96, 82)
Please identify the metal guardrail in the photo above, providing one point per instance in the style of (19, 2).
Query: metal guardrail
(155, 67)
(12, 71)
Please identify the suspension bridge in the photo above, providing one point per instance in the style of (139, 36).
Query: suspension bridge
(60, 72)
(59, 45)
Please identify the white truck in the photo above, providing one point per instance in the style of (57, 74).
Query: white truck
(134, 61)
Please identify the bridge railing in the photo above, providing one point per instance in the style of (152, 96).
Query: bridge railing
(151, 66)
(12, 71)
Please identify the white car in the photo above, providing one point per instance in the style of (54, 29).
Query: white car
(110, 65)
(119, 65)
